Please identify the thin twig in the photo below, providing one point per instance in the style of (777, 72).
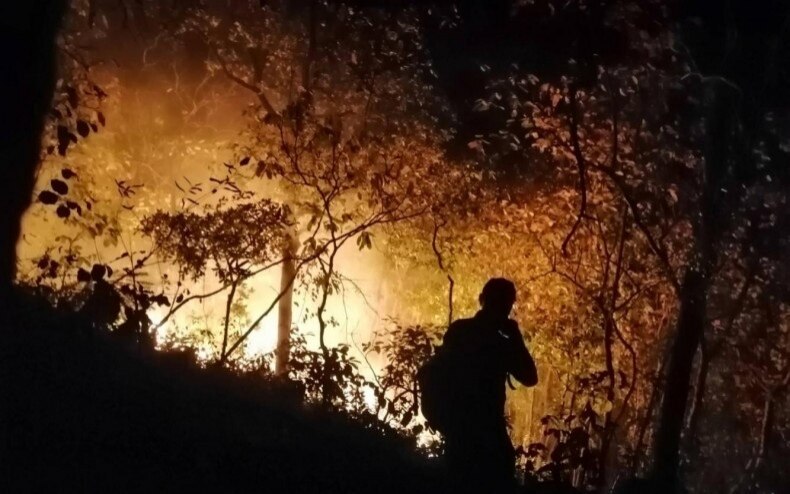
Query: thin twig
(440, 262)
(581, 164)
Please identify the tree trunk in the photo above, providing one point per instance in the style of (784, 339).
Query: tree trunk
(27, 34)
(228, 305)
(644, 424)
(608, 427)
(693, 292)
(766, 429)
(699, 390)
(285, 307)
(755, 463)
(676, 386)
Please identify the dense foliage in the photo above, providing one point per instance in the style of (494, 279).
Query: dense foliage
(630, 176)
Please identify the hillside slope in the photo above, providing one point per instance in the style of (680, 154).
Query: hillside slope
(82, 413)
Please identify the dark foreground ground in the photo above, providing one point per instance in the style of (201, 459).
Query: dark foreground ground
(82, 413)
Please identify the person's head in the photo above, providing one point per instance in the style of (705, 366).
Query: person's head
(498, 297)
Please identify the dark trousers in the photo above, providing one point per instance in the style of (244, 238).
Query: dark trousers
(480, 458)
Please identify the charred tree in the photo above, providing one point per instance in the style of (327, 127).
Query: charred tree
(694, 288)
(27, 35)
(28, 78)
(285, 308)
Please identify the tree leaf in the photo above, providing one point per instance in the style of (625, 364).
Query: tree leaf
(83, 276)
(83, 129)
(64, 139)
(74, 99)
(73, 205)
(98, 271)
(48, 197)
(59, 186)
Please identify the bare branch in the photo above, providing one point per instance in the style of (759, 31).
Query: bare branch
(581, 163)
(440, 262)
(657, 248)
(257, 89)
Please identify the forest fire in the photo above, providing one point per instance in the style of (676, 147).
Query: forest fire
(159, 166)
(357, 312)
(277, 240)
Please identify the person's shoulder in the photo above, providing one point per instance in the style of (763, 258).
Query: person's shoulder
(460, 324)
(460, 329)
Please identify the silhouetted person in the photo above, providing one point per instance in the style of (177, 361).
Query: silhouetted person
(478, 449)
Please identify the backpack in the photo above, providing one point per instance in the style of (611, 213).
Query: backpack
(444, 394)
(441, 389)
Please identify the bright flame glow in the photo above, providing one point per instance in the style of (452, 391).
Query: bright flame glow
(357, 310)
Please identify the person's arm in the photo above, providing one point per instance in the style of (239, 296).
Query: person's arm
(520, 365)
